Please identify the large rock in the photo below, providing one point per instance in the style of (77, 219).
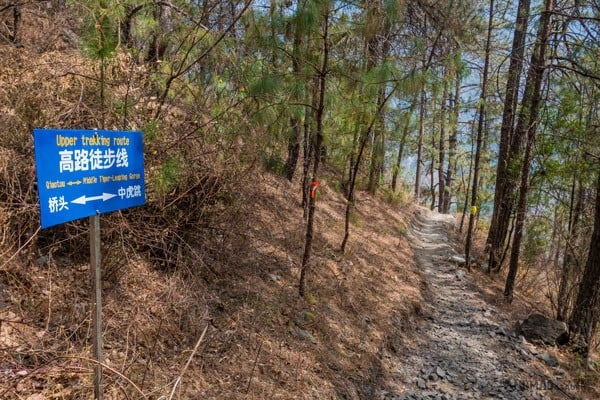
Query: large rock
(538, 328)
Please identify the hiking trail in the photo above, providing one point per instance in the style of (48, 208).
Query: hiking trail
(466, 348)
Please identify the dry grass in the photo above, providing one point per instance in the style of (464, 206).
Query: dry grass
(214, 255)
(216, 250)
(262, 340)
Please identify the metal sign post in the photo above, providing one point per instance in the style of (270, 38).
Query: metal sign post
(96, 275)
(84, 173)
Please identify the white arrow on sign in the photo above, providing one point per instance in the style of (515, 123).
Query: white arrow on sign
(103, 197)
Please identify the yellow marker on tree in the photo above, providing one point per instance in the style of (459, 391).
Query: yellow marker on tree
(474, 210)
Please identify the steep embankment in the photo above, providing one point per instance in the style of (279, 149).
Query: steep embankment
(345, 340)
(360, 334)
(217, 249)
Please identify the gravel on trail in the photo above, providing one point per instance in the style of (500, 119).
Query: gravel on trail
(466, 347)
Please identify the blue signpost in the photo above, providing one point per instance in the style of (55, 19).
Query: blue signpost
(87, 172)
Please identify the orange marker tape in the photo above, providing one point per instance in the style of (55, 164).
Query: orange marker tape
(314, 185)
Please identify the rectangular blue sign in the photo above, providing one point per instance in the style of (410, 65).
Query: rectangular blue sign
(81, 173)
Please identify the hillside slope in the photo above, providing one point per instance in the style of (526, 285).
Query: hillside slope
(200, 285)
(261, 341)
(214, 255)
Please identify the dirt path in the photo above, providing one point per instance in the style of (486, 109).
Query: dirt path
(466, 349)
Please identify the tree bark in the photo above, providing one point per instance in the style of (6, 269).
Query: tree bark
(585, 312)
(527, 123)
(426, 63)
(420, 143)
(432, 168)
(398, 166)
(127, 22)
(351, 187)
(377, 157)
(468, 184)
(159, 42)
(502, 195)
(442, 151)
(354, 171)
(452, 140)
(480, 125)
(322, 80)
(575, 208)
(293, 148)
(380, 45)
(296, 129)
(308, 147)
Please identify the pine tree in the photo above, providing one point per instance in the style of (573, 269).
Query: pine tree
(585, 315)
(527, 124)
(321, 76)
(504, 183)
(479, 140)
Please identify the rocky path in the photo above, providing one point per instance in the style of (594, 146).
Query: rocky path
(466, 347)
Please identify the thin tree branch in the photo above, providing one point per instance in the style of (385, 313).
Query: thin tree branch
(183, 70)
(577, 68)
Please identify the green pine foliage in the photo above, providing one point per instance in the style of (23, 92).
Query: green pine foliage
(237, 80)
(101, 38)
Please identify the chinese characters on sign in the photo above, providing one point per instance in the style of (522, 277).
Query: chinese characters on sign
(130, 191)
(85, 160)
(57, 204)
(86, 172)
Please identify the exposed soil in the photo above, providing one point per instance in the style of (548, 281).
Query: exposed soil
(465, 348)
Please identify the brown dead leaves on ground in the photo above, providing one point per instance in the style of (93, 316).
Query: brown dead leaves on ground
(262, 341)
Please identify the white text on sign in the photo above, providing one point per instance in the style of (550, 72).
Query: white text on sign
(91, 160)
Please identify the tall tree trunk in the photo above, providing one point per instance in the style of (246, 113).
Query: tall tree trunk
(159, 41)
(585, 312)
(422, 106)
(571, 267)
(575, 206)
(322, 79)
(552, 257)
(381, 45)
(398, 166)
(296, 129)
(426, 63)
(502, 195)
(377, 155)
(432, 184)
(452, 147)
(351, 186)
(442, 151)
(356, 140)
(480, 125)
(308, 147)
(380, 161)
(527, 122)
(354, 170)
(293, 148)
(130, 12)
(468, 184)
(432, 168)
